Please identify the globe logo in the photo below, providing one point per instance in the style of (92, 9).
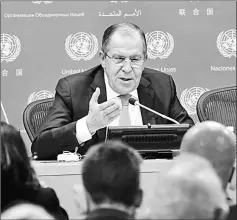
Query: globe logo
(43, 94)
(10, 47)
(81, 46)
(189, 98)
(159, 44)
(226, 43)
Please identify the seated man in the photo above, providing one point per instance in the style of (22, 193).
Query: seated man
(85, 103)
(111, 180)
(214, 142)
(190, 189)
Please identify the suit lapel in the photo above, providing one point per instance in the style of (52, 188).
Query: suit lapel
(99, 82)
(146, 97)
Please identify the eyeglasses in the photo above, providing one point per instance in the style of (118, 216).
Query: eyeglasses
(136, 61)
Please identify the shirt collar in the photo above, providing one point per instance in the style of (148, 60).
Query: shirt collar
(111, 93)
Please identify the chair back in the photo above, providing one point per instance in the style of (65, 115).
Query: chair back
(218, 105)
(34, 114)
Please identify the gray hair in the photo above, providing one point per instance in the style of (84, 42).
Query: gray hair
(27, 211)
(214, 142)
(127, 28)
(190, 189)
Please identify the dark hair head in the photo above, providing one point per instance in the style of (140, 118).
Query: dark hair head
(123, 27)
(111, 173)
(15, 164)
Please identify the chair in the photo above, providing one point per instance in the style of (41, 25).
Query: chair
(34, 114)
(218, 105)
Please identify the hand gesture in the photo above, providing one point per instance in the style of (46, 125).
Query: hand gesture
(100, 115)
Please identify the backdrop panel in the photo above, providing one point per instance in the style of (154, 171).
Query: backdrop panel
(43, 41)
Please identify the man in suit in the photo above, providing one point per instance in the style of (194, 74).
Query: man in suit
(111, 181)
(87, 102)
(190, 189)
(214, 142)
(217, 144)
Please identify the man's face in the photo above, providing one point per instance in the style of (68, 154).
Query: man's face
(123, 77)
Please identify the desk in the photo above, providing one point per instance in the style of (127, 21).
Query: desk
(64, 175)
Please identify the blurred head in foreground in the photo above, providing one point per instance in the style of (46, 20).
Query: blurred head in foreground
(15, 164)
(19, 181)
(190, 189)
(214, 142)
(111, 177)
(26, 211)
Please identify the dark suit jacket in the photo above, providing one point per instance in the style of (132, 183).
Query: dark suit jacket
(58, 132)
(107, 214)
(232, 213)
(45, 197)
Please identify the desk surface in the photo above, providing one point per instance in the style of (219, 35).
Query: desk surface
(54, 168)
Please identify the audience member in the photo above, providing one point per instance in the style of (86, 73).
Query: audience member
(214, 142)
(111, 179)
(18, 178)
(231, 188)
(190, 189)
(25, 211)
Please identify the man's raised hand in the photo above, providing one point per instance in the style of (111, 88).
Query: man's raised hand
(100, 115)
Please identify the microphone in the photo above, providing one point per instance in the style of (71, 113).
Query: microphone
(134, 101)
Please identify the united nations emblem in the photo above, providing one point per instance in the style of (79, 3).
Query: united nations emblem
(10, 47)
(43, 94)
(39, 2)
(159, 44)
(226, 43)
(81, 46)
(189, 98)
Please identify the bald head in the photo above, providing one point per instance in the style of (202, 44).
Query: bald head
(190, 189)
(214, 142)
(26, 211)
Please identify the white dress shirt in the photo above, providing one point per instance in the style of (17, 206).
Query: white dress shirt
(82, 132)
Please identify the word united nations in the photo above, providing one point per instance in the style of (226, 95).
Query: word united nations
(41, 15)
